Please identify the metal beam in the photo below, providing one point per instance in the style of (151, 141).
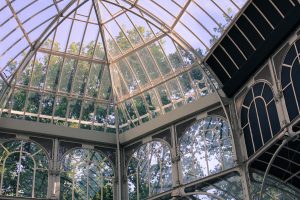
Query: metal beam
(27, 127)
(190, 109)
(44, 36)
(138, 47)
(19, 22)
(72, 56)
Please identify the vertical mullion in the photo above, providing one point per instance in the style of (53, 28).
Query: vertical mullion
(204, 129)
(251, 135)
(45, 81)
(89, 63)
(258, 119)
(101, 28)
(18, 178)
(34, 174)
(66, 47)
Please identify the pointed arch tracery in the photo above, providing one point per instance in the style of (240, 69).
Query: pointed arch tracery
(259, 116)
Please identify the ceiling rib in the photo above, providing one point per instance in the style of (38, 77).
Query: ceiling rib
(19, 22)
(72, 56)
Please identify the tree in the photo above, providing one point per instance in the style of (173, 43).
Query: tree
(22, 169)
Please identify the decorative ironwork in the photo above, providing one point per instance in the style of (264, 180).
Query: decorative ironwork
(149, 171)
(259, 117)
(206, 148)
(86, 174)
(24, 169)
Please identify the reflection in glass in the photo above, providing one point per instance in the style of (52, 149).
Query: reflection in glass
(86, 174)
(125, 48)
(226, 187)
(273, 188)
(24, 167)
(206, 148)
(149, 171)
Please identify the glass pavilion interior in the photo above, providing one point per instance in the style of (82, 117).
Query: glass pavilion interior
(150, 99)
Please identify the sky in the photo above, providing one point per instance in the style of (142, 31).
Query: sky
(188, 26)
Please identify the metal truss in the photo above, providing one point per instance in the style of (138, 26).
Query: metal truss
(121, 15)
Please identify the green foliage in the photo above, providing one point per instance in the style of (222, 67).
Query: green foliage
(21, 170)
(67, 79)
(221, 27)
(86, 175)
(149, 171)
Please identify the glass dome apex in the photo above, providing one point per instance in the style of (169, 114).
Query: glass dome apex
(81, 63)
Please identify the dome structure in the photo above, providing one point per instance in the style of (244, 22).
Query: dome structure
(86, 64)
(149, 99)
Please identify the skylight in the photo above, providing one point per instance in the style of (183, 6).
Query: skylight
(88, 64)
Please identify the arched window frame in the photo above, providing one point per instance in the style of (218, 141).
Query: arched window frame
(274, 126)
(287, 85)
(35, 167)
(166, 144)
(233, 153)
(106, 159)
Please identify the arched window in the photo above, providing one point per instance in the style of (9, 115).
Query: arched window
(149, 171)
(206, 148)
(259, 117)
(24, 169)
(290, 81)
(86, 174)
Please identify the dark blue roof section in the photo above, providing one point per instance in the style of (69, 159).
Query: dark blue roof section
(251, 40)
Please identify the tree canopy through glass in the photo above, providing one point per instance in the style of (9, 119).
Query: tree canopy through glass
(89, 63)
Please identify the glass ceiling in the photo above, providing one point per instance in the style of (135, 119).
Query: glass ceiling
(85, 64)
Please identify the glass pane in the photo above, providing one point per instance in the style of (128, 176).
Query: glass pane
(61, 104)
(87, 174)
(61, 37)
(74, 109)
(76, 35)
(47, 104)
(13, 145)
(202, 147)
(105, 87)
(33, 102)
(10, 175)
(54, 69)
(24, 76)
(160, 58)
(39, 70)
(65, 186)
(94, 80)
(18, 100)
(41, 184)
(67, 75)
(80, 80)
(88, 111)
(26, 168)
(89, 41)
(149, 170)
(149, 63)
(138, 69)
